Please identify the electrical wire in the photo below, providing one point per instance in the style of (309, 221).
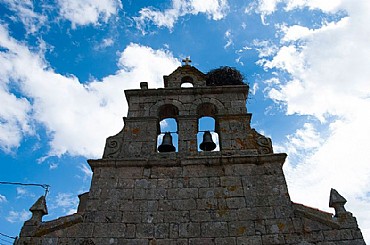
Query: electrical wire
(11, 237)
(5, 241)
(44, 186)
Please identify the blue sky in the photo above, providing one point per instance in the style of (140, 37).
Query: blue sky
(65, 63)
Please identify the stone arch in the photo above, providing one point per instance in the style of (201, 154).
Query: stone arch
(207, 107)
(187, 79)
(154, 110)
(207, 104)
(167, 111)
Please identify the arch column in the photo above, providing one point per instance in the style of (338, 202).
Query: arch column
(187, 130)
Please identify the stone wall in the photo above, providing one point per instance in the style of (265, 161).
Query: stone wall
(209, 200)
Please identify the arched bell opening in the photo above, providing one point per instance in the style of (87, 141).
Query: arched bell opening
(167, 139)
(187, 82)
(207, 137)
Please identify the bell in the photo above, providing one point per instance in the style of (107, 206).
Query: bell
(166, 145)
(207, 144)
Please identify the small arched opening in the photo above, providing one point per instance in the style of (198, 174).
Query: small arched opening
(187, 82)
(167, 139)
(207, 136)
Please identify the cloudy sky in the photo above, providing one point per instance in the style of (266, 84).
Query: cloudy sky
(64, 65)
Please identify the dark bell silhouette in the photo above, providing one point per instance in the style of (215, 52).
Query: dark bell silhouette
(207, 144)
(166, 145)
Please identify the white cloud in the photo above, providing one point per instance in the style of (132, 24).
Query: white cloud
(3, 198)
(229, 41)
(267, 7)
(21, 191)
(254, 88)
(24, 193)
(25, 13)
(76, 115)
(106, 42)
(14, 117)
(86, 12)
(214, 9)
(264, 48)
(53, 166)
(20, 216)
(328, 79)
(86, 171)
(67, 202)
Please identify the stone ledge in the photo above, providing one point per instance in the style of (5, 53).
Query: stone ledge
(58, 224)
(195, 90)
(170, 160)
(315, 214)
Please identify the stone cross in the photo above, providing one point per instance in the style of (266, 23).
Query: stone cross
(186, 61)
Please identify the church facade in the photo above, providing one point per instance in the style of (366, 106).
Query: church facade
(186, 191)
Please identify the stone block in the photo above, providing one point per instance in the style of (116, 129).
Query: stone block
(187, 230)
(273, 239)
(201, 216)
(337, 235)
(198, 182)
(164, 183)
(241, 228)
(174, 230)
(150, 194)
(131, 217)
(214, 229)
(126, 183)
(165, 205)
(235, 202)
(145, 183)
(225, 241)
(182, 193)
(131, 242)
(206, 203)
(176, 216)
(201, 241)
(250, 240)
(203, 171)
(152, 217)
(145, 230)
(264, 212)
(109, 230)
(279, 226)
(128, 173)
(231, 181)
(162, 230)
(214, 182)
(259, 226)
(184, 204)
(166, 172)
(172, 242)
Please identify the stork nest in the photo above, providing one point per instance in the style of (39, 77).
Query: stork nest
(224, 75)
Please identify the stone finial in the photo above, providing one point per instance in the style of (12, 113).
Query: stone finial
(83, 201)
(337, 202)
(144, 85)
(38, 209)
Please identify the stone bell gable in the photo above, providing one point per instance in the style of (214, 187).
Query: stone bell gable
(236, 195)
(147, 107)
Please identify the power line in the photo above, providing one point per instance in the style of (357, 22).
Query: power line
(44, 186)
(11, 237)
(5, 241)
